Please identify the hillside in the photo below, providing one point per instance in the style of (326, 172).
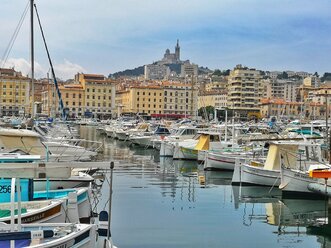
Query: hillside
(129, 72)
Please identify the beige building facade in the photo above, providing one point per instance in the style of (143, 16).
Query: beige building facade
(245, 91)
(14, 93)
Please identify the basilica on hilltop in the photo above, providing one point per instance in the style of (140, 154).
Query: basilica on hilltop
(171, 58)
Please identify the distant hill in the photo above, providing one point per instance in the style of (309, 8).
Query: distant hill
(140, 71)
(129, 72)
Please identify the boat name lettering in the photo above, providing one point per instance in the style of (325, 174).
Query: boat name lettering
(33, 218)
(304, 216)
(300, 175)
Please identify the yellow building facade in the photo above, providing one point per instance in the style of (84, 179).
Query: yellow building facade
(180, 98)
(14, 93)
(282, 108)
(89, 95)
(146, 99)
(100, 93)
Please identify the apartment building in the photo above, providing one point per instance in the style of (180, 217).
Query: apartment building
(14, 93)
(147, 99)
(274, 88)
(245, 91)
(156, 71)
(99, 95)
(217, 99)
(188, 70)
(282, 108)
(180, 98)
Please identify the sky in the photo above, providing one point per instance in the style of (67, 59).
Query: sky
(106, 36)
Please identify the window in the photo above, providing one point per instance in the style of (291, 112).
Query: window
(73, 95)
(67, 95)
(80, 95)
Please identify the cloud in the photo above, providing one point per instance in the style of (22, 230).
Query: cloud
(65, 70)
(22, 65)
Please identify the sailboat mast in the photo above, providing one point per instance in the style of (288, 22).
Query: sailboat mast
(32, 57)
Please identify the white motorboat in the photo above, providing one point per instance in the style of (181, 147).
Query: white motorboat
(29, 142)
(168, 143)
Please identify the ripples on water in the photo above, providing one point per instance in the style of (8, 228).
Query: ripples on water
(160, 203)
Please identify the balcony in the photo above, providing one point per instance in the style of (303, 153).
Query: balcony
(234, 83)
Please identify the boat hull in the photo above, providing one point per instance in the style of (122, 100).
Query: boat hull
(253, 175)
(295, 183)
(219, 162)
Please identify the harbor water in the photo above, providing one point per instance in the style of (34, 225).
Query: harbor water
(158, 203)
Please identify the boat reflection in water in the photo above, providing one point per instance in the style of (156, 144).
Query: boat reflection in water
(179, 167)
(301, 217)
(292, 217)
(255, 194)
(218, 177)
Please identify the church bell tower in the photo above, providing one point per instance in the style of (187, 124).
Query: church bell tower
(177, 51)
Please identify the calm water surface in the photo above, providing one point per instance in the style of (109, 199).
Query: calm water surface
(160, 203)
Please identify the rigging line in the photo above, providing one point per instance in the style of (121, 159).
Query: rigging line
(63, 114)
(14, 36)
